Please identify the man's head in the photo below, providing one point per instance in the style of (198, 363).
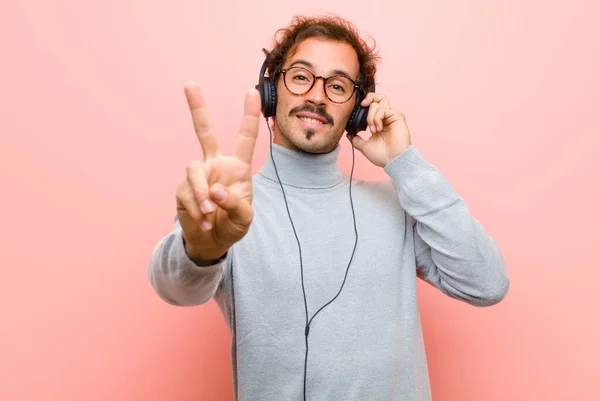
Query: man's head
(312, 113)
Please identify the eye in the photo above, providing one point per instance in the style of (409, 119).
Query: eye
(337, 88)
(300, 76)
(339, 85)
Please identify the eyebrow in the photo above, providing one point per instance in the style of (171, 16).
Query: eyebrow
(310, 65)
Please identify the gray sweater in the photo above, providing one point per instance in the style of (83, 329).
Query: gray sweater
(368, 343)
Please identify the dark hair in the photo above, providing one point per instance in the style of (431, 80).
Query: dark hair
(327, 27)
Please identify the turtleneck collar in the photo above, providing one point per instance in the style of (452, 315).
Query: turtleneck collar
(303, 170)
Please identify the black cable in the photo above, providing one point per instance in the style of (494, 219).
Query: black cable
(308, 322)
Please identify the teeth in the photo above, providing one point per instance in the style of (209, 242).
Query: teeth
(311, 120)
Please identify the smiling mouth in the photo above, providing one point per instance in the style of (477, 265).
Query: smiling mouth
(311, 120)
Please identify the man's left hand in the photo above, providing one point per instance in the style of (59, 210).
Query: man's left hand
(389, 133)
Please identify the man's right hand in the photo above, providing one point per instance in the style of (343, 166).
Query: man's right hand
(214, 203)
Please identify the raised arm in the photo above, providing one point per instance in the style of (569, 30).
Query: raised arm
(453, 251)
(214, 210)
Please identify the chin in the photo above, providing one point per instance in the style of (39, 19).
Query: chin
(314, 145)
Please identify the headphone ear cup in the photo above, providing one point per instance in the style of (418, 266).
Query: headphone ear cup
(271, 97)
(268, 96)
(358, 119)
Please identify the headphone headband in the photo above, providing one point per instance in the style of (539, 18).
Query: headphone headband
(263, 70)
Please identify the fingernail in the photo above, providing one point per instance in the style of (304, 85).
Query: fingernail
(220, 195)
(208, 206)
(372, 128)
(206, 225)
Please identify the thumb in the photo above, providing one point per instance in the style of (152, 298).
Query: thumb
(239, 211)
(357, 142)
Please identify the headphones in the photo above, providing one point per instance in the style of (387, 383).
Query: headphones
(268, 96)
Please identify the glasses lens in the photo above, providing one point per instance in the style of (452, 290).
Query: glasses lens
(298, 80)
(339, 88)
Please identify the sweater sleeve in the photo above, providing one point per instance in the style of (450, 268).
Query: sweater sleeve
(176, 278)
(452, 249)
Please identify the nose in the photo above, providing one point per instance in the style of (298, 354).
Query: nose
(316, 95)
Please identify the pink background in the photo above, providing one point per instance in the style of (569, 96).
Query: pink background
(502, 96)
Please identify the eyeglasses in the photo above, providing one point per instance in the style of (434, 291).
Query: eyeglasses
(338, 88)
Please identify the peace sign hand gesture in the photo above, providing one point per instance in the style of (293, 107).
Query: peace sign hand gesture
(214, 203)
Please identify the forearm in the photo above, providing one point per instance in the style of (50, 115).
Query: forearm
(176, 278)
(455, 254)
(453, 250)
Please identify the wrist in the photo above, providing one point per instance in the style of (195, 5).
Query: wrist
(396, 154)
(203, 257)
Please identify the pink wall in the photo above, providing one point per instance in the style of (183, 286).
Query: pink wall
(503, 97)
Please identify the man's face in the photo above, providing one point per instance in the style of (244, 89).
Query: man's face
(295, 126)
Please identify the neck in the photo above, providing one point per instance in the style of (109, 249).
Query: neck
(301, 169)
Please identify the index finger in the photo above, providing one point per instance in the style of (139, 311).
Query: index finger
(246, 141)
(373, 97)
(202, 121)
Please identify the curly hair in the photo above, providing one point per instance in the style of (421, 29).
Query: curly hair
(327, 27)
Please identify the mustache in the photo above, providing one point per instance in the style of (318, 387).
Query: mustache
(312, 109)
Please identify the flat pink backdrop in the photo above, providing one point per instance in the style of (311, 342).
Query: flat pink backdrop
(502, 96)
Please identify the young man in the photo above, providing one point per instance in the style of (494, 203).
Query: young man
(316, 274)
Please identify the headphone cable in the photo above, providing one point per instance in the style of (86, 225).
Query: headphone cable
(308, 322)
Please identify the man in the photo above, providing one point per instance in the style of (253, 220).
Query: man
(315, 274)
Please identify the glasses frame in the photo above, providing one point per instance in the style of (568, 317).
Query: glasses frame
(283, 71)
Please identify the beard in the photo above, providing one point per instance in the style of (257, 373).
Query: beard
(306, 139)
